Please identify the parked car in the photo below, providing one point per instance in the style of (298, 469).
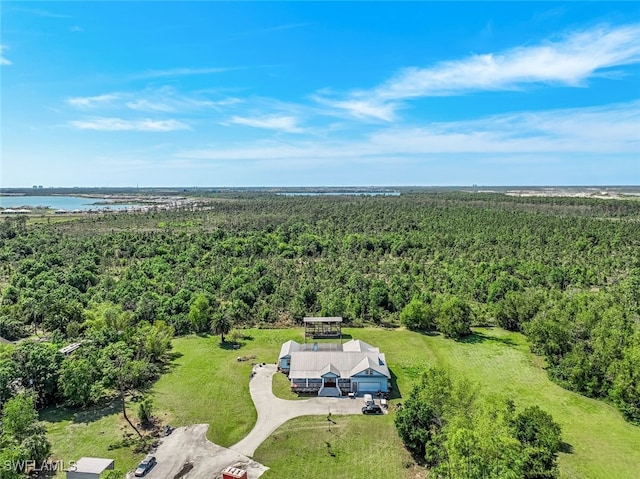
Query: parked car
(145, 466)
(372, 409)
(368, 399)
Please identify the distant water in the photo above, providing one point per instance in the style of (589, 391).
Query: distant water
(68, 203)
(341, 193)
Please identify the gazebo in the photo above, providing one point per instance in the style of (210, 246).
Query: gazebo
(323, 328)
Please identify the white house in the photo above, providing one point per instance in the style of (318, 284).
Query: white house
(334, 369)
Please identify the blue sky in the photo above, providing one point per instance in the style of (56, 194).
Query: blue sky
(304, 94)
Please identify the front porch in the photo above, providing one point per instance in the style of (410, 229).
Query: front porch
(315, 386)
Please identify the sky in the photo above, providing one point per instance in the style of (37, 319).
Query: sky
(163, 93)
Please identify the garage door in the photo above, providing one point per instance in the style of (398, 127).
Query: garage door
(369, 387)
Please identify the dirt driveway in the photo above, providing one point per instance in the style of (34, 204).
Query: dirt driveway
(273, 411)
(188, 454)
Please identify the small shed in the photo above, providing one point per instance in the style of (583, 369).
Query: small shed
(89, 468)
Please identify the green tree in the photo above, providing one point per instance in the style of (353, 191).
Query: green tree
(541, 440)
(418, 315)
(200, 313)
(454, 318)
(626, 384)
(21, 429)
(18, 416)
(8, 373)
(153, 340)
(78, 380)
(145, 410)
(12, 328)
(12, 457)
(38, 367)
(222, 324)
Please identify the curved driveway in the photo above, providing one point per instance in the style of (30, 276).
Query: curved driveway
(273, 411)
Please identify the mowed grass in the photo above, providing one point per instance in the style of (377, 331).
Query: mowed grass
(206, 384)
(357, 447)
(281, 387)
(603, 444)
(74, 434)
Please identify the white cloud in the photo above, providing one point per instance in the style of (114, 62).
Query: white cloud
(167, 100)
(609, 130)
(41, 12)
(164, 99)
(272, 122)
(362, 108)
(93, 101)
(118, 124)
(568, 61)
(4, 60)
(143, 104)
(177, 72)
(76, 29)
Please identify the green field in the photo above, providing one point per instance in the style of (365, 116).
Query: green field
(357, 447)
(207, 384)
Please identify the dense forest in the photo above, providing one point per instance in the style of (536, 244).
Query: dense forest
(564, 271)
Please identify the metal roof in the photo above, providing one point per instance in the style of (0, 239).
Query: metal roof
(353, 345)
(336, 319)
(287, 348)
(70, 348)
(357, 345)
(313, 364)
(92, 465)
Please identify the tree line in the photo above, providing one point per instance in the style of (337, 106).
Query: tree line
(564, 271)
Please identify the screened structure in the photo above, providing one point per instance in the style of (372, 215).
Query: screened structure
(323, 328)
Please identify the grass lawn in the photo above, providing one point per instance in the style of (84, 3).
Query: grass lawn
(604, 445)
(357, 447)
(74, 434)
(206, 384)
(282, 388)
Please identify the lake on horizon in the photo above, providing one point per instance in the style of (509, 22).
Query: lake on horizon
(68, 203)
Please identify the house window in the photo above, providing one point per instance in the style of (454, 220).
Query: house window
(368, 372)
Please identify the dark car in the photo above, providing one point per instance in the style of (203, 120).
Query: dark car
(145, 466)
(372, 409)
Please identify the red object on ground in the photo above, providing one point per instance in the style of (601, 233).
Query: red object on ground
(234, 473)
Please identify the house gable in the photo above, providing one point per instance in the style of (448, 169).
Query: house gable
(369, 373)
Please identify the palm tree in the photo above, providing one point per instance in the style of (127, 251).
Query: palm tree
(222, 324)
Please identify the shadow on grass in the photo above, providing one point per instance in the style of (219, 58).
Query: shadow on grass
(566, 448)
(170, 364)
(479, 337)
(431, 334)
(395, 392)
(76, 415)
(230, 345)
